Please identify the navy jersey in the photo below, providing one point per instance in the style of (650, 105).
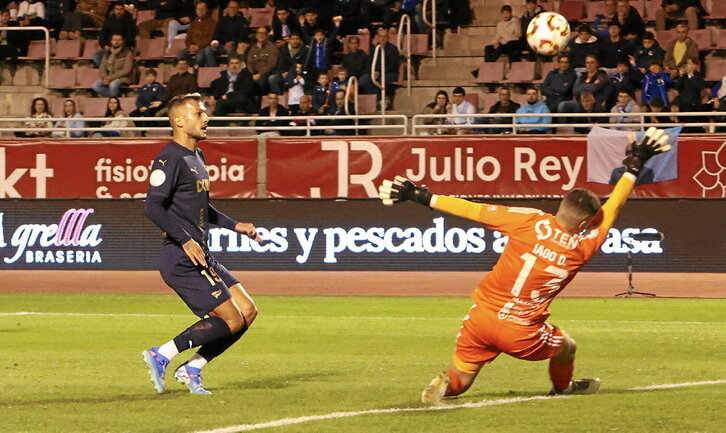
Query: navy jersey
(178, 197)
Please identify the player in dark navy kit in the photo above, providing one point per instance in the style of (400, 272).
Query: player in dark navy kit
(178, 202)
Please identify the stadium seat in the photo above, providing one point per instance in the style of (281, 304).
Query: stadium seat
(86, 77)
(152, 49)
(142, 16)
(94, 107)
(639, 6)
(521, 72)
(90, 48)
(572, 10)
(177, 45)
(489, 99)
(594, 9)
(665, 38)
(62, 78)
(718, 10)
(715, 69)
(419, 44)
(206, 75)
(261, 17)
(490, 72)
(651, 6)
(128, 104)
(36, 51)
(721, 39)
(367, 104)
(68, 49)
(473, 99)
(26, 76)
(702, 37)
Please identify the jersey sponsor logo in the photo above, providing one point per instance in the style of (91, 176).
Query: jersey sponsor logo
(157, 177)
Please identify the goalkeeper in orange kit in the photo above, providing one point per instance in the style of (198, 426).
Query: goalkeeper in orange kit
(543, 254)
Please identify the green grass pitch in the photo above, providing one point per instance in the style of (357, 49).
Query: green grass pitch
(79, 369)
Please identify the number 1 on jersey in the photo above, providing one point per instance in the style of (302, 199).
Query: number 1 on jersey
(552, 285)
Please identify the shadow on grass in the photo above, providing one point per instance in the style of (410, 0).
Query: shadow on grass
(150, 396)
(280, 382)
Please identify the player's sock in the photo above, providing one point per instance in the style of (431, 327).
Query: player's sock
(197, 361)
(215, 348)
(455, 387)
(203, 332)
(561, 375)
(168, 350)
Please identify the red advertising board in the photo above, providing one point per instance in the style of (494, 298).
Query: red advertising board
(114, 168)
(513, 166)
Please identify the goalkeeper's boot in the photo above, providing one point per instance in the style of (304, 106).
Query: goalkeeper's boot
(434, 392)
(580, 386)
(191, 377)
(157, 364)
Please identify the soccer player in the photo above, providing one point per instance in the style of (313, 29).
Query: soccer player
(543, 254)
(178, 202)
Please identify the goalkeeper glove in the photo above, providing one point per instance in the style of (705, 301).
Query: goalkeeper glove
(654, 142)
(402, 189)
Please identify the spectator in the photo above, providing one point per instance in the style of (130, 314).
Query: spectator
(683, 48)
(321, 51)
(290, 54)
(393, 61)
(166, 11)
(537, 108)
(148, 98)
(39, 110)
(630, 21)
(356, 60)
(295, 84)
(586, 103)
(8, 39)
(414, 10)
(348, 12)
(305, 108)
(626, 79)
(439, 106)
(119, 22)
(457, 13)
(55, 12)
(69, 112)
(110, 127)
(593, 80)
(504, 105)
(232, 27)
(585, 44)
(601, 25)
(88, 13)
(181, 21)
(243, 48)
(180, 83)
(645, 53)
(531, 10)
(341, 108)
(116, 68)
(232, 91)
(262, 60)
(655, 84)
(461, 106)
(625, 105)
(321, 93)
(614, 48)
(507, 39)
(31, 13)
(690, 85)
(199, 36)
(275, 110)
(657, 105)
(558, 84)
(340, 83)
(309, 23)
(718, 91)
(284, 25)
(674, 9)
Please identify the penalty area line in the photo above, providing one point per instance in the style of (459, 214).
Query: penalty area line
(336, 415)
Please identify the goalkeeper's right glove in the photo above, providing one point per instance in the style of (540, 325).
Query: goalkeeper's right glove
(653, 143)
(402, 189)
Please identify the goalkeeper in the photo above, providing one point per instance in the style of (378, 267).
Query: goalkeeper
(543, 254)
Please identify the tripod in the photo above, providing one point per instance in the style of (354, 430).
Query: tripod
(631, 290)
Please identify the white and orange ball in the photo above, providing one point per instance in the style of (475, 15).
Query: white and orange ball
(548, 33)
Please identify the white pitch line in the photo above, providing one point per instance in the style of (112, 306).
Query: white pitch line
(283, 316)
(336, 415)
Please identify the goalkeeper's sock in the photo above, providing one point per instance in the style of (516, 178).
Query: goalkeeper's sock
(561, 375)
(455, 387)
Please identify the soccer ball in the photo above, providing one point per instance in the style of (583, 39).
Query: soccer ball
(548, 33)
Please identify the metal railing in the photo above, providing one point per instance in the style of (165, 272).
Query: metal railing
(404, 31)
(47, 46)
(431, 24)
(381, 84)
(397, 124)
(481, 121)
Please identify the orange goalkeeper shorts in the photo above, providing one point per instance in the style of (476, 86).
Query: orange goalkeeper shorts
(483, 337)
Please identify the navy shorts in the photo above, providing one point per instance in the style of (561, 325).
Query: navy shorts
(201, 289)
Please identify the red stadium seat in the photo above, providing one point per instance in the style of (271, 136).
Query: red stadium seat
(665, 38)
(206, 75)
(572, 10)
(489, 100)
(70, 49)
(639, 6)
(715, 69)
(62, 78)
(177, 45)
(94, 107)
(721, 39)
(718, 10)
(90, 48)
(142, 16)
(651, 7)
(702, 37)
(473, 99)
(261, 17)
(128, 104)
(36, 51)
(86, 77)
(594, 9)
(490, 72)
(152, 49)
(367, 104)
(521, 72)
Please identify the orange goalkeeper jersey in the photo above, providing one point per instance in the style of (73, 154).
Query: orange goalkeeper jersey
(540, 257)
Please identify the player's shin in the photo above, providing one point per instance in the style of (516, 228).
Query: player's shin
(212, 350)
(203, 332)
(456, 385)
(561, 374)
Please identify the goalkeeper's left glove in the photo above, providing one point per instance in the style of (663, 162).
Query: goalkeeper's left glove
(653, 143)
(402, 189)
